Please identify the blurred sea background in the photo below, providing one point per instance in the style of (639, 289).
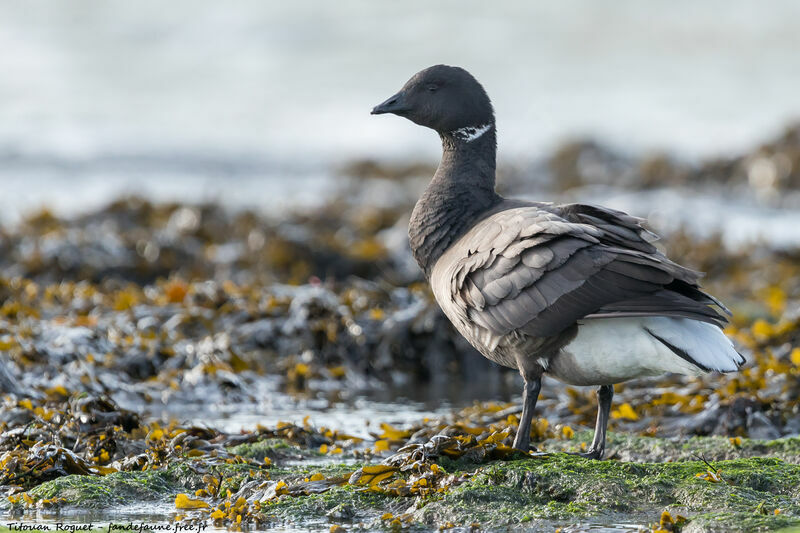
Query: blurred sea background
(261, 105)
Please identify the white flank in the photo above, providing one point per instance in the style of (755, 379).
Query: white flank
(612, 350)
(470, 133)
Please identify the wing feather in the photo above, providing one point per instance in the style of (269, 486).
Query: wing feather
(539, 268)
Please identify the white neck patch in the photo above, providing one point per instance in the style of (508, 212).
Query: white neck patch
(470, 133)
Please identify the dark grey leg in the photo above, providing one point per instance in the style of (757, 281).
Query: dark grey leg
(604, 396)
(529, 396)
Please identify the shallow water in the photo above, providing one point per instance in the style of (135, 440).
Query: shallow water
(359, 415)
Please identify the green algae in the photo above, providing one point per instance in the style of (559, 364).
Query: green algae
(340, 505)
(118, 487)
(299, 471)
(537, 493)
(274, 449)
(742, 521)
(163, 484)
(569, 489)
(627, 447)
(92, 492)
(150, 485)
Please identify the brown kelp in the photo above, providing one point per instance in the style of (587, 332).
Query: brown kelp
(114, 321)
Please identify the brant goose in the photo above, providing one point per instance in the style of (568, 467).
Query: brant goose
(577, 292)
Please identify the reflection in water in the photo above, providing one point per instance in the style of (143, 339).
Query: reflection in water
(358, 414)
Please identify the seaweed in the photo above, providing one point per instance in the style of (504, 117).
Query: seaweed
(109, 317)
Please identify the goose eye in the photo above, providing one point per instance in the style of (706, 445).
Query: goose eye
(432, 87)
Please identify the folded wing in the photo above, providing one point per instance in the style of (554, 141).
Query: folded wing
(537, 269)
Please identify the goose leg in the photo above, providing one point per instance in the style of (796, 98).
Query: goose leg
(604, 396)
(529, 396)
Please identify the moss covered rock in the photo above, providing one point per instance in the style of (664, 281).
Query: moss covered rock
(633, 448)
(538, 493)
(565, 489)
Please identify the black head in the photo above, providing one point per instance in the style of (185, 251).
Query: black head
(443, 98)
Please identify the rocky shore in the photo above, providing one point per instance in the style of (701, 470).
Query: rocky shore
(108, 317)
